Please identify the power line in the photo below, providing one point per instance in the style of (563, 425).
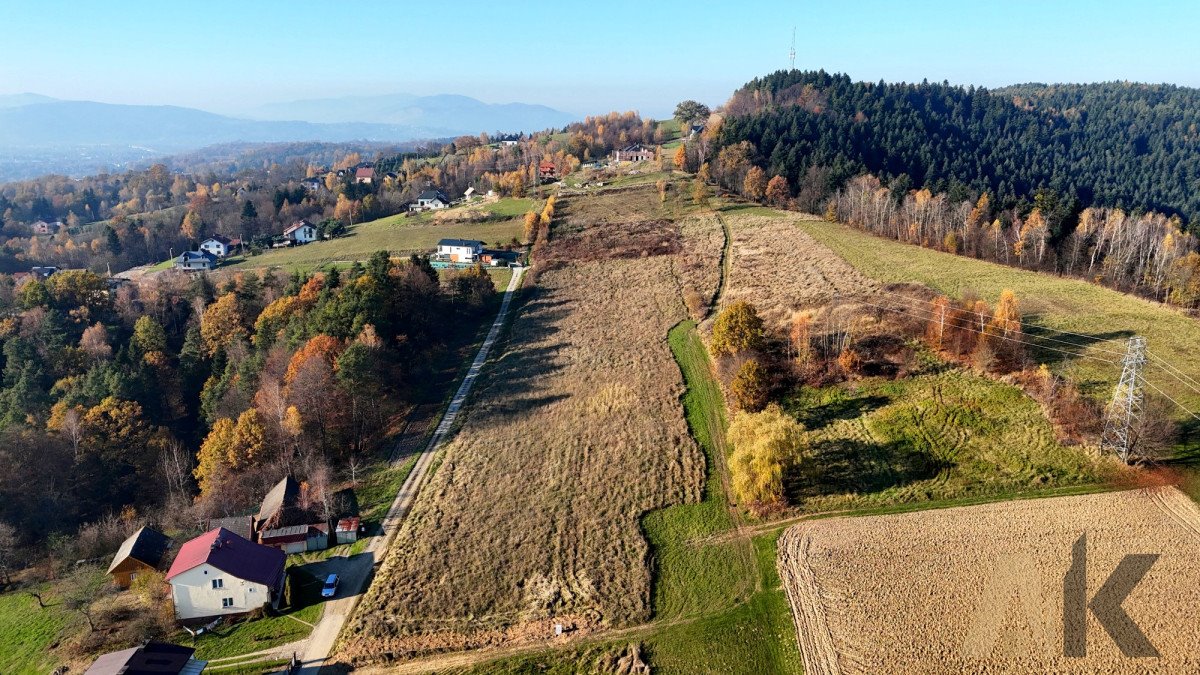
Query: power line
(982, 315)
(1164, 395)
(1177, 378)
(981, 332)
(1179, 374)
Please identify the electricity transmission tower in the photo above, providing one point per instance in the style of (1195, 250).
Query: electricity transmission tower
(792, 53)
(1125, 410)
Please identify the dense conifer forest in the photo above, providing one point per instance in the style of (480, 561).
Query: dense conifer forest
(1116, 144)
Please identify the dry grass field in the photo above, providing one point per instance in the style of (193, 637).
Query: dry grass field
(980, 588)
(781, 269)
(578, 431)
(703, 242)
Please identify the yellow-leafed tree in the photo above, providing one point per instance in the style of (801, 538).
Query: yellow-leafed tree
(765, 444)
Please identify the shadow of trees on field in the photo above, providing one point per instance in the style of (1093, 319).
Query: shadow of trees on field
(847, 465)
(1053, 348)
(820, 416)
(524, 353)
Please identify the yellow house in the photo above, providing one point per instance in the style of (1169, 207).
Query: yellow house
(142, 552)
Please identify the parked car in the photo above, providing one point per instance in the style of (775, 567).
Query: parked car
(330, 588)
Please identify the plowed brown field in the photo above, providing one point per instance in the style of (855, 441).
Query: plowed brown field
(980, 588)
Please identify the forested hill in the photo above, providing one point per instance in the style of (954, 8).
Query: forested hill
(1135, 146)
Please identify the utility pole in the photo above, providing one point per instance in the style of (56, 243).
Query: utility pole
(1125, 410)
(792, 53)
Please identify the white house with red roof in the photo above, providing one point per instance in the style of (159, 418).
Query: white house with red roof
(221, 573)
(301, 232)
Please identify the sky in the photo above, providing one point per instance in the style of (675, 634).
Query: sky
(229, 57)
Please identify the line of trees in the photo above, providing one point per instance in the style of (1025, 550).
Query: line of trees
(1146, 253)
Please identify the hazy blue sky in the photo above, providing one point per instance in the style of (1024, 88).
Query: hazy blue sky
(579, 57)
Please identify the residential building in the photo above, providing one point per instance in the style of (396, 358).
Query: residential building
(431, 199)
(547, 170)
(152, 658)
(142, 552)
(219, 245)
(220, 573)
(196, 261)
(633, 153)
(47, 227)
(43, 272)
(314, 184)
(281, 507)
(459, 250)
(301, 232)
(364, 175)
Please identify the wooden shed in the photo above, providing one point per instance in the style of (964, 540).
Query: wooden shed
(142, 552)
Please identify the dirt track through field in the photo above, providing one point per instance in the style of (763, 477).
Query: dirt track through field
(816, 643)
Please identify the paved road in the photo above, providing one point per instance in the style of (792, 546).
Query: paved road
(355, 571)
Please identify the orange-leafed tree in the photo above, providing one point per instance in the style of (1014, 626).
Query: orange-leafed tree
(778, 192)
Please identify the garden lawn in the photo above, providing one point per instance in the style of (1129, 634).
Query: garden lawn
(28, 632)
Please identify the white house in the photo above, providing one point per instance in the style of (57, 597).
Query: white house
(217, 245)
(459, 250)
(220, 573)
(431, 199)
(301, 232)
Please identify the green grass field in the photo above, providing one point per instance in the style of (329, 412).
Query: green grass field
(252, 636)
(399, 233)
(28, 632)
(937, 436)
(1047, 301)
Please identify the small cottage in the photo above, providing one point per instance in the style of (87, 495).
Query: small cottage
(142, 552)
(297, 538)
(47, 227)
(365, 175)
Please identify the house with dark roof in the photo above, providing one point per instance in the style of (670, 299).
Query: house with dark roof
(220, 573)
(142, 552)
(196, 261)
(286, 525)
(633, 153)
(152, 658)
(430, 199)
(47, 227)
(242, 526)
(313, 184)
(459, 250)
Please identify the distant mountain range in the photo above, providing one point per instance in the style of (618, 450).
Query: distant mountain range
(39, 134)
(461, 113)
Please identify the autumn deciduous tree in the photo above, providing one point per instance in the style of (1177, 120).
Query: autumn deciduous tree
(799, 337)
(149, 336)
(221, 324)
(319, 346)
(680, 159)
(212, 462)
(751, 386)
(738, 328)
(94, 342)
(755, 184)
(690, 111)
(531, 223)
(849, 361)
(778, 192)
(765, 444)
(191, 226)
(700, 192)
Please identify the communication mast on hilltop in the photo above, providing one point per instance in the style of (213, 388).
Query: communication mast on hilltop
(792, 53)
(1125, 410)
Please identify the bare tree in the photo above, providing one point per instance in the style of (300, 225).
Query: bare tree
(72, 429)
(8, 551)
